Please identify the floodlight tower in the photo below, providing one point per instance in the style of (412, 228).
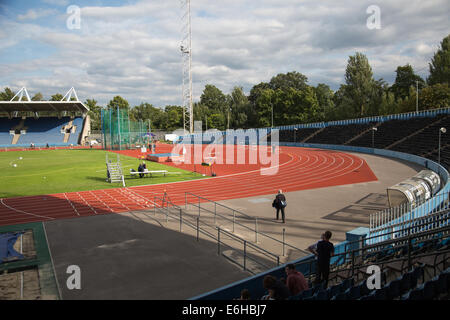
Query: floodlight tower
(186, 53)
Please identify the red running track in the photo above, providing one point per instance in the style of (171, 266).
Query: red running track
(298, 169)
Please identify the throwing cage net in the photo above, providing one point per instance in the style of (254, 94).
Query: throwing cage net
(120, 132)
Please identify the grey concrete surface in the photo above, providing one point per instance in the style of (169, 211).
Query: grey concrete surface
(124, 258)
(338, 209)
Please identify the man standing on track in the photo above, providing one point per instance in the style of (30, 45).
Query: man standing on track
(280, 203)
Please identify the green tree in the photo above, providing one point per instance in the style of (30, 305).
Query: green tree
(293, 79)
(174, 117)
(7, 95)
(148, 113)
(435, 96)
(213, 99)
(94, 113)
(356, 98)
(37, 97)
(216, 121)
(56, 97)
(118, 101)
(238, 109)
(440, 64)
(405, 78)
(264, 105)
(325, 100)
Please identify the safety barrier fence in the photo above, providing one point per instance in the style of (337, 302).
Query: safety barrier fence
(237, 218)
(404, 216)
(243, 251)
(349, 258)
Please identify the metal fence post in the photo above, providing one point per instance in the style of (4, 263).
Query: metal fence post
(198, 221)
(218, 241)
(353, 263)
(409, 251)
(256, 229)
(284, 235)
(245, 254)
(234, 218)
(181, 219)
(215, 212)
(185, 200)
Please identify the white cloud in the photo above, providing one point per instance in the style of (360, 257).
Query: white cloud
(33, 14)
(133, 50)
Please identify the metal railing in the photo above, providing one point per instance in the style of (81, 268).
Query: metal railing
(352, 259)
(234, 217)
(405, 215)
(249, 252)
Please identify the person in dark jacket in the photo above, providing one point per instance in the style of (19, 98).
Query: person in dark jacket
(323, 250)
(277, 289)
(280, 203)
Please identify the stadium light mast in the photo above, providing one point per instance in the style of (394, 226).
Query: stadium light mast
(373, 136)
(186, 54)
(417, 96)
(441, 130)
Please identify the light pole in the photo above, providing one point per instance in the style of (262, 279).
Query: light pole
(272, 116)
(295, 132)
(441, 130)
(417, 96)
(373, 136)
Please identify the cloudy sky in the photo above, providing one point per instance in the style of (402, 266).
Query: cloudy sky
(132, 48)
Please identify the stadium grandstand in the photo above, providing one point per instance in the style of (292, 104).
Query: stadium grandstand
(25, 123)
(409, 242)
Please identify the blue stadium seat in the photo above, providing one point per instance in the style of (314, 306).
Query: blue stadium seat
(363, 288)
(367, 297)
(347, 283)
(353, 293)
(441, 283)
(428, 290)
(416, 274)
(380, 294)
(414, 294)
(405, 283)
(340, 296)
(308, 293)
(322, 295)
(334, 290)
(319, 287)
(393, 289)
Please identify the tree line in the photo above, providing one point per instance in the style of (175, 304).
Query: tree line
(288, 98)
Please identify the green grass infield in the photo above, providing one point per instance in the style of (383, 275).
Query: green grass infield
(25, 173)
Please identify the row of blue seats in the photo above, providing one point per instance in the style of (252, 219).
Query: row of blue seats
(417, 247)
(40, 131)
(431, 289)
(404, 287)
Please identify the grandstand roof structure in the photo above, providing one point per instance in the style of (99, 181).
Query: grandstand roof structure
(39, 106)
(66, 104)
